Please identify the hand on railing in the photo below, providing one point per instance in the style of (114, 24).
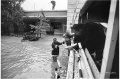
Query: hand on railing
(71, 47)
(80, 46)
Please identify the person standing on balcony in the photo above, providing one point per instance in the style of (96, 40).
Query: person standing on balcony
(67, 36)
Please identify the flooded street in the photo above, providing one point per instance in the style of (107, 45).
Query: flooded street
(30, 59)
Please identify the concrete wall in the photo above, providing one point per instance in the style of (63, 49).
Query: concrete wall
(59, 16)
(59, 13)
(74, 7)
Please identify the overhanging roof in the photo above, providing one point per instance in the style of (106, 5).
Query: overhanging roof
(85, 7)
(48, 13)
(98, 10)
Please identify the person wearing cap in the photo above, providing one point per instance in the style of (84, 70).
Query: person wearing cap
(67, 36)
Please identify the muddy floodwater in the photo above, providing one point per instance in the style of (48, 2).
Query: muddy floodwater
(30, 59)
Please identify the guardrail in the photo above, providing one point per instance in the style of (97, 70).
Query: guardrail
(70, 66)
(86, 66)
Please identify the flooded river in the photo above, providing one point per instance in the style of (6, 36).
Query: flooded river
(30, 60)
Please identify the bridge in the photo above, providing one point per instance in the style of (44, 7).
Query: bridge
(57, 19)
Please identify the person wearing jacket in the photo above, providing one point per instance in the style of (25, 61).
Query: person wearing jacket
(55, 48)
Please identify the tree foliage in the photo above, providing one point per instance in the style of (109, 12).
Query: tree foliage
(11, 12)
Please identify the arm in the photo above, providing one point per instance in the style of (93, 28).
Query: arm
(53, 46)
(58, 43)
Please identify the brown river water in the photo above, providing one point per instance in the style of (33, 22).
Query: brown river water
(30, 59)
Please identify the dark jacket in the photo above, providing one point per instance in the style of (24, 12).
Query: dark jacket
(55, 50)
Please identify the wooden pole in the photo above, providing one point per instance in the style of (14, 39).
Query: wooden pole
(111, 37)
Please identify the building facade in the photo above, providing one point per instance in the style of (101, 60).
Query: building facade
(98, 11)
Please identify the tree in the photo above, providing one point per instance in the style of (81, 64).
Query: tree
(11, 14)
(41, 25)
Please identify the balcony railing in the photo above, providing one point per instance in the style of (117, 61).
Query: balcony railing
(84, 68)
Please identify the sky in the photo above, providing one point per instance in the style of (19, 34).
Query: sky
(37, 5)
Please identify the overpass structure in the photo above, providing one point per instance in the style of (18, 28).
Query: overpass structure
(57, 19)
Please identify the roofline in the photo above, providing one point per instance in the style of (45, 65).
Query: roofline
(46, 16)
(48, 11)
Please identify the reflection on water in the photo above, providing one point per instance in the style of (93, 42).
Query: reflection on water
(27, 60)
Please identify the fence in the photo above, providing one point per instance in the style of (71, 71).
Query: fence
(84, 68)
